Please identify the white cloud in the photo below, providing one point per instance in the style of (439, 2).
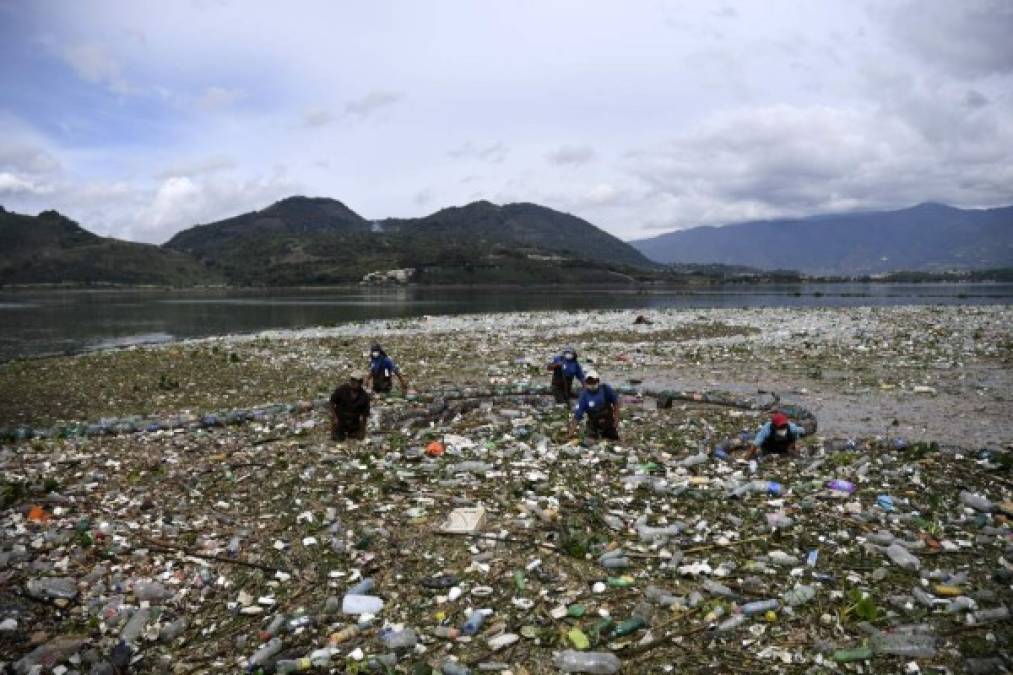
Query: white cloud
(317, 117)
(371, 102)
(572, 154)
(10, 184)
(216, 98)
(494, 153)
(95, 63)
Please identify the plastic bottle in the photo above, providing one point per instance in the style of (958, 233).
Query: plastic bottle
(597, 663)
(474, 622)
(759, 606)
(731, 623)
(454, 668)
(173, 630)
(900, 557)
(136, 625)
(48, 654)
(401, 639)
(232, 550)
(292, 665)
(614, 560)
(715, 588)
(839, 485)
(989, 615)
(799, 595)
(693, 460)
(362, 588)
(343, 635)
(150, 591)
(976, 502)
(660, 596)
(262, 655)
(52, 587)
(908, 645)
(361, 604)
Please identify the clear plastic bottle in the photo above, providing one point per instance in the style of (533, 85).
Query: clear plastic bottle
(474, 622)
(53, 587)
(759, 607)
(976, 502)
(150, 591)
(900, 557)
(262, 655)
(292, 665)
(731, 623)
(402, 639)
(596, 663)
(361, 604)
(908, 645)
(173, 630)
(454, 668)
(660, 596)
(362, 588)
(719, 589)
(989, 615)
(136, 625)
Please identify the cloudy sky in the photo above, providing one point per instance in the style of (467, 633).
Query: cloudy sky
(139, 118)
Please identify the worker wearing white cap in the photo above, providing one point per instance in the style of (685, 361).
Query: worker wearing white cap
(601, 405)
(349, 406)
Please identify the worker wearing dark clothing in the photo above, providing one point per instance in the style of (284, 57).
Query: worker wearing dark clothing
(778, 437)
(601, 405)
(382, 371)
(349, 410)
(565, 368)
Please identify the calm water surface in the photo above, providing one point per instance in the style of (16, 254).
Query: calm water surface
(40, 322)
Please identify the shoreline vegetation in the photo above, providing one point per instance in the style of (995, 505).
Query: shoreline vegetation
(689, 281)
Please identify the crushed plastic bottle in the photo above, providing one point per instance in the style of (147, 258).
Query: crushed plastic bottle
(976, 502)
(900, 557)
(596, 663)
(264, 654)
(474, 622)
(49, 588)
(361, 604)
(759, 606)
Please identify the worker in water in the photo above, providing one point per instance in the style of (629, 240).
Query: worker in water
(565, 367)
(601, 405)
(776, 437)
(349, 409)
(382, 371)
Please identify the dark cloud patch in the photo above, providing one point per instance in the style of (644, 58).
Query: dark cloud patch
(964, 37)
(975, 99)
(574, 155)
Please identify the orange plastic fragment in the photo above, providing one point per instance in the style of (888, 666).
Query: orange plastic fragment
(39, 515)
(435, 449)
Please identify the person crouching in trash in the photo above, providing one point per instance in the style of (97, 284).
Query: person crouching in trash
(565, 368)
(349, 409)
(382, 371)
(601, 405)
(777, 437)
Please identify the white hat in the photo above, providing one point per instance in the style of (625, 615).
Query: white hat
(592, 375)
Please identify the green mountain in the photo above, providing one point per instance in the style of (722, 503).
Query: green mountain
(303, 240)
(927, 237)
(52, 249)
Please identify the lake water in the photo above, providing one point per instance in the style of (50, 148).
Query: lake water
(41, 322)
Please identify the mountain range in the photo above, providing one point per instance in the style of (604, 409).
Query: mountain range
(926, 237)
(304, 240)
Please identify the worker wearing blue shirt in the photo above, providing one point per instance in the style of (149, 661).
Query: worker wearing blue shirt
(778, 436)
(382, 371)
(601, 405)
(565, 368)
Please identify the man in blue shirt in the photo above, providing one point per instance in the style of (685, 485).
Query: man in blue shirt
(601, 405)
(382, 370)
(778, 436)
(564, 368)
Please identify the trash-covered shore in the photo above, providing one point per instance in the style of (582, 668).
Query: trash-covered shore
(469, 533)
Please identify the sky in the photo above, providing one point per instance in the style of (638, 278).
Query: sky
(139, 118)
